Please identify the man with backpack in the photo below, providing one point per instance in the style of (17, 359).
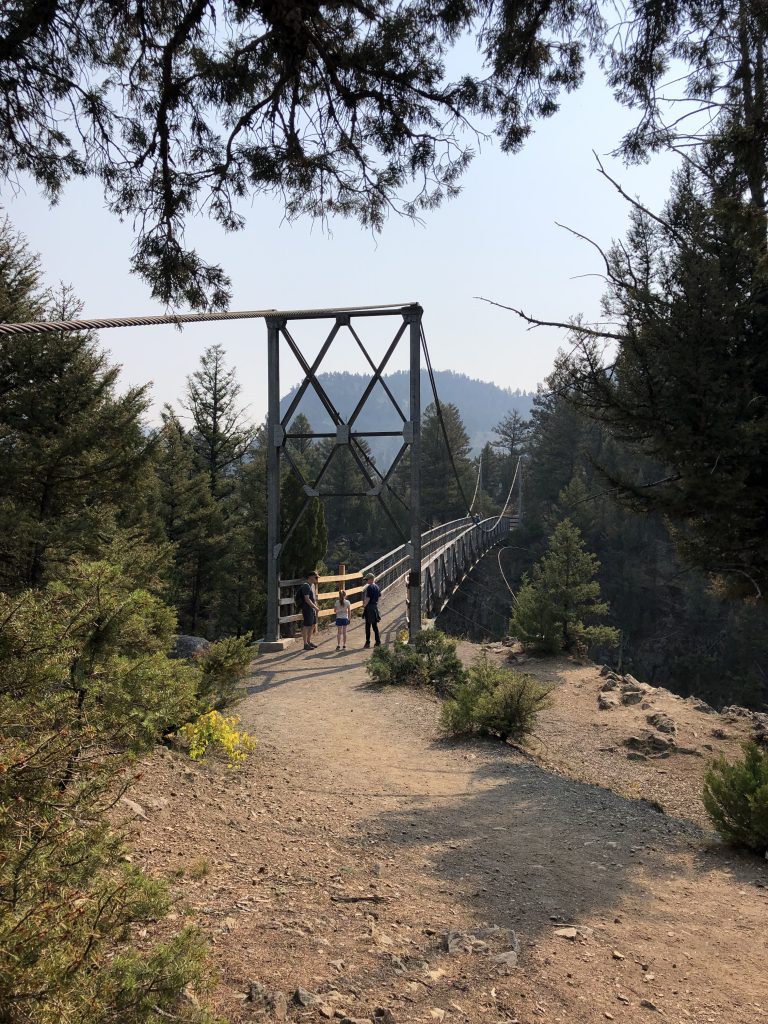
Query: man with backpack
(371, 612)
(306, 604)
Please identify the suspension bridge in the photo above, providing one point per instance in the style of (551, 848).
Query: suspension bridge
(417, 578)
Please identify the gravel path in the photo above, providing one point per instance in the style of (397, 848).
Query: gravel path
(391, 874)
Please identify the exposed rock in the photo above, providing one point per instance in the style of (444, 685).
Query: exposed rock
(610, 684)
(736, 711)
(462, 942)
(606, 702)
(137, 809)
(383, 1015)
(304, 998)
(651, 743)
(279, 1005)
(630, 696)
(631, 681)
(662, 722)
(574, 932)
(649, 1005)
(188, 646)
(506, 959)
(721, 734)
(274, 1002)
(702, 706)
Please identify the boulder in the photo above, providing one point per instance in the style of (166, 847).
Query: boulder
(651, 744)
(188, 646)
(605, 702)
(662, 722)
(630, 695)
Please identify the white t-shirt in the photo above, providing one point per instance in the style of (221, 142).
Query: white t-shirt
(342, 608)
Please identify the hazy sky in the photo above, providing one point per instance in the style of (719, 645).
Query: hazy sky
(498, 239)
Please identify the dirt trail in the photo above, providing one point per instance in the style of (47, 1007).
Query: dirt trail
(357, 838)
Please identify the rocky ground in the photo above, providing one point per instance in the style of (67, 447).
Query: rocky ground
(362, 867)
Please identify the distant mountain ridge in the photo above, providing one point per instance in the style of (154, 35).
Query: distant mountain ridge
(481, 404)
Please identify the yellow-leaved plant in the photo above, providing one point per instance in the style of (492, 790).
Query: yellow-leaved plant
(213, 728)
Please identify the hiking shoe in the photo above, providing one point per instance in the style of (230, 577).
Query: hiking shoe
(338, 647)
(368, 644)
(313, 646)
(309, 647)
(377, 644)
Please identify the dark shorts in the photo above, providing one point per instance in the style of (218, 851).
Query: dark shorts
(310, 616)
(342, 622)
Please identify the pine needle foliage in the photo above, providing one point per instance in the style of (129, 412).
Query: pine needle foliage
(222, 666)
(430, 661)
(85, 686)
(736, 798)
(495, 701)
(559, 594)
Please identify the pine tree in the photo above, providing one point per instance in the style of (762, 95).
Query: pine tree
(559, 594)
(307, 546)
(342, 108)
(220, 432)
(686, 392)
(243, 588)
(193, 523)
(442, 498)
(74, 451)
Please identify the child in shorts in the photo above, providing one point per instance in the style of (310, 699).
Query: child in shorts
(342, 609)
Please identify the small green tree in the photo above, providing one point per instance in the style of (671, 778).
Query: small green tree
(560, 593)
(85, 685)
(220, 433)
(736, 798)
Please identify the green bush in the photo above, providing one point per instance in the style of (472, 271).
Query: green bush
(430, 661)
(458, 713)
(444, 667)
(495, 700)
(736, 798)
(223, 665)
(85, 686)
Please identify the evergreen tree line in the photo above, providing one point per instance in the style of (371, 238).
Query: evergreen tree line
(96, 516)
(678, 626)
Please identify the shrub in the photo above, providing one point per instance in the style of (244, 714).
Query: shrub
(444, 667)
(223, 665)
(495, 700)
(84, 686)
(458, 713)
(399, 665)
(736, 798)
(430, 661)
(213, 729)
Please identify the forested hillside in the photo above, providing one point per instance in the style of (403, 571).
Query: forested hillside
(482, 404)
(84, 476)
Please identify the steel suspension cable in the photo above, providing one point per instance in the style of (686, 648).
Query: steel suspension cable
(439, 410)
(477, 485)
